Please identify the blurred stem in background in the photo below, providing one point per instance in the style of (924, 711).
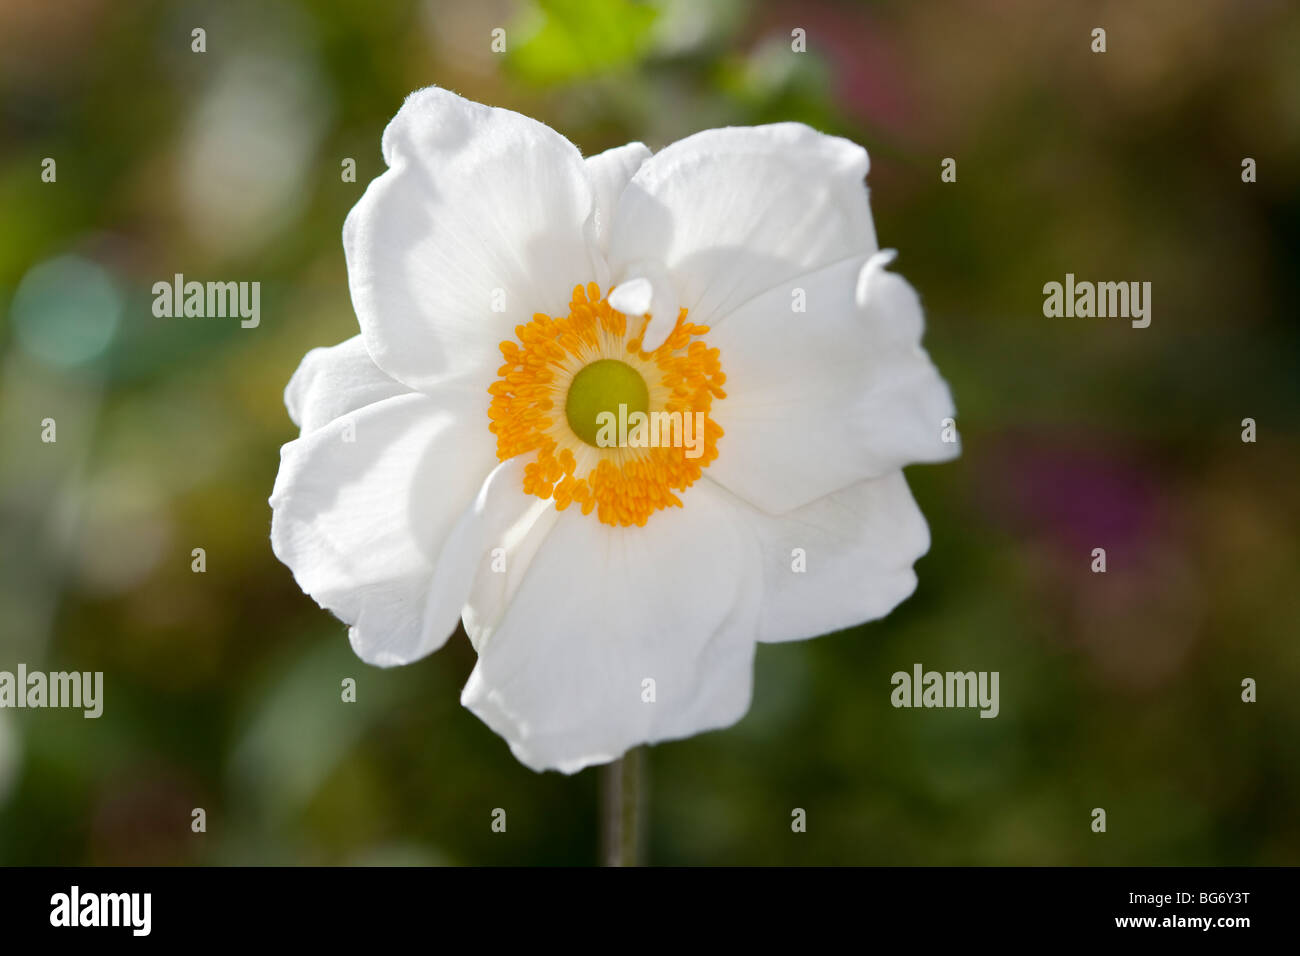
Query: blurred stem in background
(622, 785)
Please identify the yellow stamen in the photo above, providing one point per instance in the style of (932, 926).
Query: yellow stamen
(624, 485)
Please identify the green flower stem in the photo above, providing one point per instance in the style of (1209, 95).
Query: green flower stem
(623, 808)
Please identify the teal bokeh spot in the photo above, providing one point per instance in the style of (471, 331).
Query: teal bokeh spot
(66, 311)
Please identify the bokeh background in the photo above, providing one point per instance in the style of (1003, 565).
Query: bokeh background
(1119, 690)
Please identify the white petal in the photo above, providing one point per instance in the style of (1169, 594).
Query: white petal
(857, 548)
(481, 209)
(610, 172)
(874, 267)
(600, 611)
(647, 287)
(732, 212)
(362, 522)
(333, 381)
(822, 399)
(495, 540)
(632, 297)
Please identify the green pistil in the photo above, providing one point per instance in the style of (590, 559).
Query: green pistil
(602, 387)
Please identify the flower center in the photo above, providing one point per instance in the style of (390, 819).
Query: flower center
(605, 387)
(636, 424)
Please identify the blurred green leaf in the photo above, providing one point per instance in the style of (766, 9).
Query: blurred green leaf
(571, 39)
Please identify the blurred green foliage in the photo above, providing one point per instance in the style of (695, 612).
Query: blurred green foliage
(222, 689)
(571, 40)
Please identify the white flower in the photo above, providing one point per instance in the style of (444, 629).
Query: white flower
(445, 469)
